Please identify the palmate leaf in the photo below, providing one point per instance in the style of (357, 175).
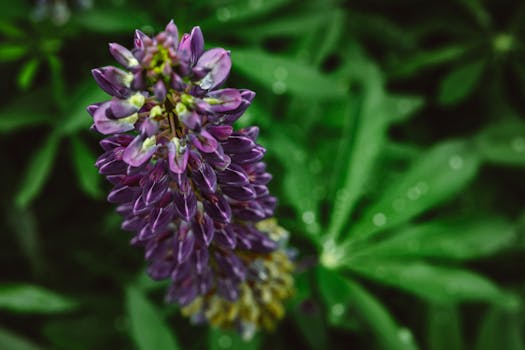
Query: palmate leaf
(281, 74)
(434, 283)
(148, 328)
(342, 295)
(435, 177)
(28, 298)
(458, 239)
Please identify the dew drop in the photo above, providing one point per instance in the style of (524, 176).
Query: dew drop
(224, 14)
(518, 144)
(225, 341)
(423, 187)
(308, 217)
(413, 193)
(279, 87)
(379, 219)
(338, 310)
(280, 73)
(405, 335)
(455, 162)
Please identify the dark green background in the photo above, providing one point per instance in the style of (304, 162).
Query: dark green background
(396, 135)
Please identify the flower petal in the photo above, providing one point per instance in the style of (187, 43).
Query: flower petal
(217, 64)
(140, 150)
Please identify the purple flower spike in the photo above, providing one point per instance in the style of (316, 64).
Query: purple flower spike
(190, 187)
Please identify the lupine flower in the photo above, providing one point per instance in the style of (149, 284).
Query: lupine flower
(190, 187)
(260, 304)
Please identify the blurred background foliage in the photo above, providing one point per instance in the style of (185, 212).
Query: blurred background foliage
(396, 135)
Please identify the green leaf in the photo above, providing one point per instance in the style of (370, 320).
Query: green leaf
(57, 81)
(460, 82)
(444, 329)
(367, 136)
(343, 296)
(76, 117)
(299, 185)
(434, 283)
(452, 239)
(241, 10)
(310, 323)
(148, 328)
(84, 164)
(427, 59)
(33, 299)
(401, 108)
(12, 52)
(16, 117)
(113, 20)
(435, 177)
(298, 24)
(12, 341)
(500, 329)
(219, 339)
(503, 143)
(281, 74)
(38, 170)
(27, 73)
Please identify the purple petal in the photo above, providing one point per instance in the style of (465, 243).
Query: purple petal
(140, 150)
(218, 209)
(203, 228)
(113, 81)
(204, 141)
(186, 244)
(106, 125)
(185, 205)
(173, 32)
(191, 45)
(122, 194)
(225, 237)
(224, 100)
(217, 63)
(178, 156)
(254, 155)
(238, 144)
(220, 132)
(218, 159)
(141, 40)
(123, 55)
(161, 218)
(205, 178)
(240, 193)
(233, 175)
(159, 89)
(201, 259)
